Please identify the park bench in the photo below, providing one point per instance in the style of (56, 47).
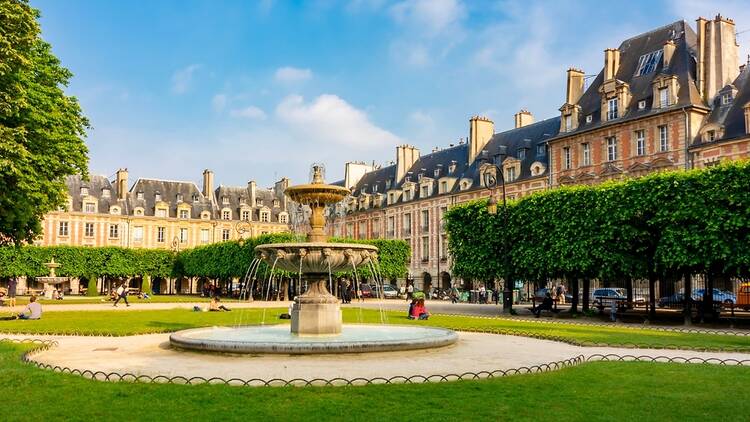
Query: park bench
(553, 311)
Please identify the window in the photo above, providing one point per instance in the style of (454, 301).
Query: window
(425, 249)
(388, 184)
(226, 215)
(204, 236)
(138, 211)
(612, 108)
(282, 218)
(663, 97)
(205, 215)
(89, 230)
(586, 154)
(640, 142)
(258, 202)
(179, 197)
(114, 231)
(443, 210)
(245, 215)
(510, 174)
(522, 153)
(443, 187)
(138, 234)
(160, 234)
(275, 202)
(157, 197)
(390, 226)
(648, 62)
(663, 140)
(407, 224)
(425, 191)
(225, 200)
(568, 122)
(611, 148)
(436, 173)
(589, 118)
(183, 235)
(62, 229)
(566, 158)
(425, 221)
(225, 234)
(184, 214)
(84, 191)
(195, 198)
(89, 207)
(726, 98)
(711, 135)
(105, 193)
(139, 196)
(642, 105)
(407, 195)
(541, 149)
(161, 212)
(264, 217)
(362, 234)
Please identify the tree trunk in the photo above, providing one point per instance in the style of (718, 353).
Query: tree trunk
(687, 309)
(586, 294)
(629, 290)
(574, 302)
(651, 296)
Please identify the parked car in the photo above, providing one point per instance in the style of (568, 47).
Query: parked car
(366, 291)
(541, 293)
(720, 296)
(389, 291)
(608, 295)
(671, 300)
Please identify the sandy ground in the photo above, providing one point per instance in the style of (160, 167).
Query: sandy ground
(474, 352)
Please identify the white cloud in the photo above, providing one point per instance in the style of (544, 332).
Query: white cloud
(183, 78)
(328, 119)
(219, 102)
(290, 74)
(430, 16)
(250, 112)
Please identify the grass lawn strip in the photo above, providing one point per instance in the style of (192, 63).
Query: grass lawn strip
(161, 321)
(592, 391)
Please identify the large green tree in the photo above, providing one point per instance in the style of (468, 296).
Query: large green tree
(41, 128)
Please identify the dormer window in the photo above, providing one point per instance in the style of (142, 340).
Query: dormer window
(589, 118)
(179, 197)
(452, 167)
(419, 177)
(245, 215)
(642, 105)
(425, 191)
(710, 135)
(84, 191)
(612, 109)
(541, 150)
(648, 62)
(275, 202)
(184, 214)
(568, 123)
(663, 97)
(195, 198)
(282, 218)
(226, 215)
(436, 173)
(139, 195)
(105, 193)
(89, 207)
(258, 202)
(726, 98)
(521, 153)
(265, 217)
(510, 173)
(388, 184)
(157, 197)
(225, 200)
(374, 188)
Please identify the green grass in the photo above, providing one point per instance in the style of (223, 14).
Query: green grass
(154, 321)
(77, 300)
(595, 391)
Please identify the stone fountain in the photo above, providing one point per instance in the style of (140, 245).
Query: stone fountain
(316, 315)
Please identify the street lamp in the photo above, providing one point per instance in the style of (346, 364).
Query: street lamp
(490, 181)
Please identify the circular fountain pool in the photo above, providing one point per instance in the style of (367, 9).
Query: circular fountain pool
(278, 339)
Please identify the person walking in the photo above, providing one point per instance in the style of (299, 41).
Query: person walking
(409, 291)
(454, 294)
(122, 293)
(561, 294)
(12, 287)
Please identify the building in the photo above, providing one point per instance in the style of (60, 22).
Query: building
(163, 214)
(671, 98)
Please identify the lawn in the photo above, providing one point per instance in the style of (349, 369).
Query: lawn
(76, 300)
(594, 391)
(153, 321)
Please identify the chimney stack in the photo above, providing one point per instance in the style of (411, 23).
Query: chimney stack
(208, 183)
(523, 118)
(122, 183)
(406, 156)
(574, 86)
(251, 188)
(611, 63)
(668, 51)
(481, 130)
(718, 62)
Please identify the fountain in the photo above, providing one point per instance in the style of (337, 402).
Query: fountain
(52, 279)
(316, 325)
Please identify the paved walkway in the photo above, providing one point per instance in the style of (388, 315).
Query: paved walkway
(474, 352)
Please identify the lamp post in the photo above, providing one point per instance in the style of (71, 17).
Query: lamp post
(490, 182)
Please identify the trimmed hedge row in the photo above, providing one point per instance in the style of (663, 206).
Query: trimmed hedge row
(675, 223)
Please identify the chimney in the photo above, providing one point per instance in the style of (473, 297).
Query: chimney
(251, 187)
(747, 117)
(611, 63)
(122, 183)
(523, 118)
(481, 130)
(208, 183)
(718, 62)
(574, 86)
(406, 156)
(668, 51)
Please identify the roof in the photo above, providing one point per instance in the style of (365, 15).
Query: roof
(167, 191)
(731, 116)
(96, 186)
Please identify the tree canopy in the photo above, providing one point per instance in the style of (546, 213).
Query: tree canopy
(41, 128)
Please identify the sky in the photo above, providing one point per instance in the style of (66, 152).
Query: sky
(259, 90)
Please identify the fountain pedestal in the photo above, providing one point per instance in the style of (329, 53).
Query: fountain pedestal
(317, 312)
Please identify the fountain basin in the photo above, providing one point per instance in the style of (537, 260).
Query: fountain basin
(316, 257)
(277, 339)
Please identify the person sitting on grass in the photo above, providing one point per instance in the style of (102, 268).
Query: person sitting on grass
(546, 305)
(32, 311)
(418, 311)
(214, 305)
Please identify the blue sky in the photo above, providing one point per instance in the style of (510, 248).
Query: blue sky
(260, 90)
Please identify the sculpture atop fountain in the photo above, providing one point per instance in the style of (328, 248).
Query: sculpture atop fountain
(317, 311)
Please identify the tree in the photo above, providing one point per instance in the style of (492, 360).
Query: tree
(41, 128)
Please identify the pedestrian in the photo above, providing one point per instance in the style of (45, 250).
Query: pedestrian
(12, 286)
(482, 294)
(561, 294)
(122, 293)
(409, 291)
(454, 294)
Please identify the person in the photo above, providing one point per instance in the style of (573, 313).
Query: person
(454, 294)
(546, 305)
(418, 311)
(122, 293)
(409, 291)
(560, 294)
(32, 311)
(411, 308)
(215, 306)
(359, 294)
(12, 283)
(57, 294)
(482, 294)
(402, 291)
(613, 311)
